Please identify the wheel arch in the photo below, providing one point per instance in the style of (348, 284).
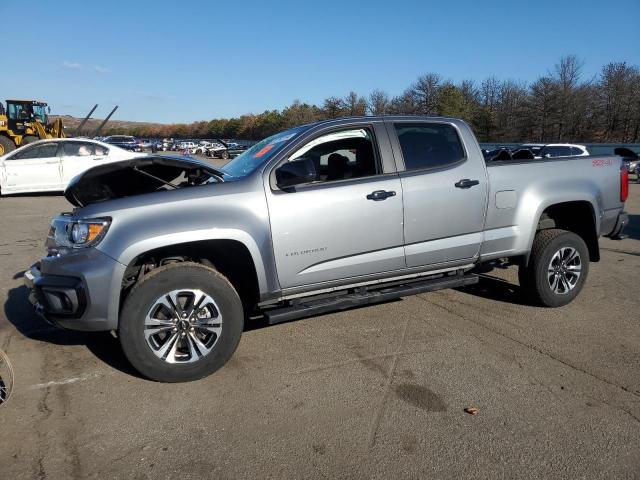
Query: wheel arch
(236, 258)
(577, 216)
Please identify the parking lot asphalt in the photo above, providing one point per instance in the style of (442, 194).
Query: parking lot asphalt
(376, 392)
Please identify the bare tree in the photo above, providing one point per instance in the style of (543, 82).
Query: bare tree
(542, 110)
(618, 89)
(378, 102)
(425, 91)
(299, 113)
(566, 75)
(511, 121)
(333, 107)
(486, 117)
(355, 105)
(405, 104)
(470, 96)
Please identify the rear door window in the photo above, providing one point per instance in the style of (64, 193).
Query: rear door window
(429, 145)
(48, 150)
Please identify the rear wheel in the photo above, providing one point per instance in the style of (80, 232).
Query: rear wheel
(224, 155)
(6, 145)
(557, 269)
(27, 139)
(180, 323)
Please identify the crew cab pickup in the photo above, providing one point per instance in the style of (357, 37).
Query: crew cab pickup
(175, 255)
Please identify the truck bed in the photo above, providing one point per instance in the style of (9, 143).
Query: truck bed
(520, 190)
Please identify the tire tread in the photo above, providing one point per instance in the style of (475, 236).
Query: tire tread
(527, 274)
(144, 362)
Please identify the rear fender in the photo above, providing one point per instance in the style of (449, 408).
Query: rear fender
(533, 222)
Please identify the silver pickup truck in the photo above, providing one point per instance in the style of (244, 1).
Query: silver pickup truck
(175, 254)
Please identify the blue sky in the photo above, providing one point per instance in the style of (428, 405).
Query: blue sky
(196, 60)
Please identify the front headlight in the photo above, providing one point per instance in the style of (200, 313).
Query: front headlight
(67, 232)
(86, 233)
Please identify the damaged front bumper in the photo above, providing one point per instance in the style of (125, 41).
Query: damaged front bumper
(74, 291)
(55, 297)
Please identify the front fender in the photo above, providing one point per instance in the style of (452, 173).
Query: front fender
(138, 248)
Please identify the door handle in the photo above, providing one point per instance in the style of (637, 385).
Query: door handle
(380, 195)
(466, 183)
(52, 161)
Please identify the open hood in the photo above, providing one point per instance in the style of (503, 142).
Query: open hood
(138, 176)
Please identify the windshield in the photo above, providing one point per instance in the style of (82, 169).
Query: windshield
(40, 113)
(249, 161)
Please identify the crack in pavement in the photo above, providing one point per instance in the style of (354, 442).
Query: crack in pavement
(351, 361)
(66, 381)
(615, 250)
(541, 352)
(375, 425)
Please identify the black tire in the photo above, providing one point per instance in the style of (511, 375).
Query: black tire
(26, 140)
(224, 155)
(6, 145)
(142, 299)
(535, 279)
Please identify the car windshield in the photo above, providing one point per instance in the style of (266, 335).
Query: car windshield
(251, 159)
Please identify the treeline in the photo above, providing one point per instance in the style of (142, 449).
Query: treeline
(561, 106)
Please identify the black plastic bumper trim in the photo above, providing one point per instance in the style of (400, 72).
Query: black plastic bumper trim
(621, 222)
(55, 296)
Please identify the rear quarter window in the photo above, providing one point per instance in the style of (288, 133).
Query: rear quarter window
(576, 151)
(100, 150)
(558, 151)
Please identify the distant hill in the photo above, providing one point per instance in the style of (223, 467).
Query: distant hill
(71, 123)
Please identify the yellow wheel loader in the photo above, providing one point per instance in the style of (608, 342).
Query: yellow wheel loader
(25, 121)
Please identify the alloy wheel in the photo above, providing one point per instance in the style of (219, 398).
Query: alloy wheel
(564, 270)
(183, 326)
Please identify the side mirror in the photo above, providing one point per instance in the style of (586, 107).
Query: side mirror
(302, 170)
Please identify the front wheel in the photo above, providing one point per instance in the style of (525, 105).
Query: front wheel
(26, 140)
(180, 323)
(557, 269)
(6, 145)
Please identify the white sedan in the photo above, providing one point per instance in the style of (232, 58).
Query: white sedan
(554, 150)
(49, 165)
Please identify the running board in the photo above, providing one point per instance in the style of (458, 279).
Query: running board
(310, 306)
